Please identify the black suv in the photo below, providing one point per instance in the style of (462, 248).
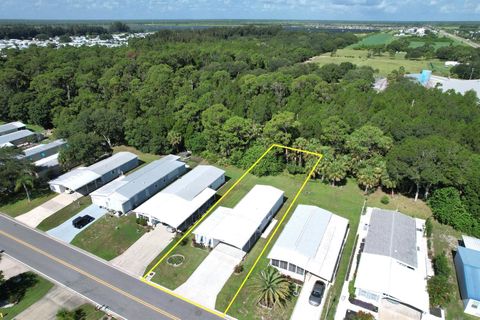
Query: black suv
(81, 222)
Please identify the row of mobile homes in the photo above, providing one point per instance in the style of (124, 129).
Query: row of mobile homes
(18, 138)
(179, 205)
(241, 226)
(87, 179)
(11, 127)
(128, 192)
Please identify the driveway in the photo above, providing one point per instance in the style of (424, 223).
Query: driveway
(66, 231)
(47, 307)
(11, 267)
(303, 309)
(136, 258)
(33, 217)
(208, 279)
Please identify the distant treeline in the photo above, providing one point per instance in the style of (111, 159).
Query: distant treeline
(23, 31)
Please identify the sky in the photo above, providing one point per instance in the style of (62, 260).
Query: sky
(397, 10)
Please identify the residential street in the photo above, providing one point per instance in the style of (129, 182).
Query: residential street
(92, 278)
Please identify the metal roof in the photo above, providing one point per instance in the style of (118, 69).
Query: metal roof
(44, 147)
(104, 166)
(392, 234)
(11, 137)
(471, 242)
(51, 161)
(471, 269)
(8, 127)
(194, 182)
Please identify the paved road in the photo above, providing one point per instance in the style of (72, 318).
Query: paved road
(458, 38)
(94, 279)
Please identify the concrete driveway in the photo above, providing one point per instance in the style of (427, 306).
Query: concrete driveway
(136, 258)
(208, 279)
(66, 231)
(47, 307)
(303, 309)
(11, 267)
(45, 210)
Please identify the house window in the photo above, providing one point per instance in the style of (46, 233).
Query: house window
(275, 263)
(292, 267)
(300, 271)
(283, 265)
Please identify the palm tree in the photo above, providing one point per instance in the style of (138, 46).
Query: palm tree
(24, 180)
(272, 288)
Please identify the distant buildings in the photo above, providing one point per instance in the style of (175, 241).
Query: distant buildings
(45, 156)
(311, 242)
(128, 192)
(467, 265)
(87, 179)
(180, 204)
(241, 226)
(393, 266)
(426, 79)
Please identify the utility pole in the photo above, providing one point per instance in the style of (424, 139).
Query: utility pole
(471, 73)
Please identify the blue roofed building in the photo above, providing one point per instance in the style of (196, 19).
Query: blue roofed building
(467, 265)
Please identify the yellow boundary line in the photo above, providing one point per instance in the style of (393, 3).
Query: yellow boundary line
(92, 277)
(187, 233)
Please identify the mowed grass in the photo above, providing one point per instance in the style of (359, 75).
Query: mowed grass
(375, 39)
(145, 157)
(32, 295)
(64, 214)
(109, 236)
(383, 64)
(90, 313)
(417, 209)
(19, 204)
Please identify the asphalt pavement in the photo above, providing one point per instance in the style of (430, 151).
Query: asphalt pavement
(92, 278)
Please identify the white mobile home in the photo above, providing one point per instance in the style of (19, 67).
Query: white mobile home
(184, 201)
(18, 138)
(11, 127)
(311, 242)
(242, 225)
(128, 192)
(87, 179)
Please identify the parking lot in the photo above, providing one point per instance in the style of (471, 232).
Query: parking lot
(66, 231)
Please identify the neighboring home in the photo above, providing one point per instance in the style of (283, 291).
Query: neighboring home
(11, 127)
(127, 192)
(451, 63)
(45, 157)
(393, 266)
(87, 179)
(179, 205)
(18, 138)
(242, 225)
(311, 242)
(467, 264)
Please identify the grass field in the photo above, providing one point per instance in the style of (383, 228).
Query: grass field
(64, 214)
(89, 312)
(418, 209)
(109, 236)
(19, 204)
(145, 157)
(374, 40)
(383, 64)
(32, 295)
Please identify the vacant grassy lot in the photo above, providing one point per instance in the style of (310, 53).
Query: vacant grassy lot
(64, 214)
(417, 209)
(383, 64)
(32, 295)
(109, 236)
(375, 39)
(145, 157)
(19, 204)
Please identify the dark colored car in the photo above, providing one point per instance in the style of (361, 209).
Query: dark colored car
(317, 293)
(81, 222)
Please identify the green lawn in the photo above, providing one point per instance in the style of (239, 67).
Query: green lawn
(383, 64)
(32, 295)
(145, 157)
(374, 39)
(436, 45)
(109, 236)
(64, 214)
(417, 209)
(90, 313)
(19, 204)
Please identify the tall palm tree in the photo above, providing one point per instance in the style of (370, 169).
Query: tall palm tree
(24, 180)
(272, 288)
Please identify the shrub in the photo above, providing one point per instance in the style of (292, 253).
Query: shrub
(428, 227)
(440, 265)
(295, 169)
(385, 200)
(440, 290)
(238, 268)
(141, 221)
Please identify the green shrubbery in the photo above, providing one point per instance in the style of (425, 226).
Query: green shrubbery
(440, 289)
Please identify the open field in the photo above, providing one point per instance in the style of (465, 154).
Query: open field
(32, 295)
(145, 157)
(375, 39)
(109, 236)
(383, 64)
(19, 204)
(64, 214)
(418, 209)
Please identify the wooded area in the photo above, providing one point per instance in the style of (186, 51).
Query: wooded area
(228, 93)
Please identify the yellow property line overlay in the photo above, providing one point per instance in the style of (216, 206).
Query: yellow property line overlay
(187, 233)
(92, 277)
